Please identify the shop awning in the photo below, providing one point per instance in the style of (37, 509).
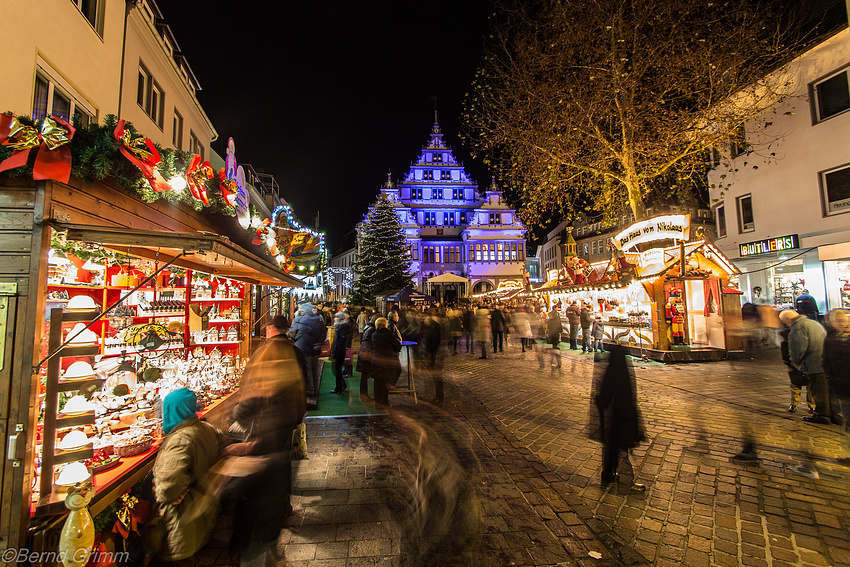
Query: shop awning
(210, 253)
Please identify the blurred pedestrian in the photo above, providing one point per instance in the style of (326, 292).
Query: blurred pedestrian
(553, 335)
(598, 333)
(362, 319)
(805, 349)
(364, 358)
(586, 320)
(469, 329)
(272, 403)
(619, 424)
(497, 328)
(574, 320)
(454, 327)
(482, 329)
(385, 366)
(309, 332)
(434, 354)
(807, 305)
(342, 333)
(522, 324)
(797, 378)
(836, 362)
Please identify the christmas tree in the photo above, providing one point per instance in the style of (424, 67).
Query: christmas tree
(382, 258)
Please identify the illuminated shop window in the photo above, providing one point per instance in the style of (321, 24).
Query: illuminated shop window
(478, 252)
(499, 250)
(513, 250)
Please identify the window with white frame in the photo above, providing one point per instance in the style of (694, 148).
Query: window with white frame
(150, 96)
(746, 222)
(195, 145)
(835, 185)
(177, 131)
(720, 216)
(92, 10)
(831, 95)
(51, 98)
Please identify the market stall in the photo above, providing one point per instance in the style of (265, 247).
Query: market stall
(669, 303)
(114, 302)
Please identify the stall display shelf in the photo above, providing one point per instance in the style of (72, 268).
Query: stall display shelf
(214, 343)
(224, 320)
(145, 315)
(118, 352)
(214, 299)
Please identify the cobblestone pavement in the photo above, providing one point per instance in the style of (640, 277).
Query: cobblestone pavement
(507, 466)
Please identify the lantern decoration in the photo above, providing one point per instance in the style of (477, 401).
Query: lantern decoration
(196, 177)
(53, 160)
(228, 187)
(143, 154)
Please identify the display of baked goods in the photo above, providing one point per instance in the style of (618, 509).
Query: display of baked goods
(129, 444)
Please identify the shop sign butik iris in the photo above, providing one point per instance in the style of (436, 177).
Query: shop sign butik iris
(770, 245)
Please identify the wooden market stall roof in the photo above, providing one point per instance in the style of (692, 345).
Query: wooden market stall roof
(207, 252)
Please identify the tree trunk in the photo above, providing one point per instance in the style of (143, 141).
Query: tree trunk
(636, 204)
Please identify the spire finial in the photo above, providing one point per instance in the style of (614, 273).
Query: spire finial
(434, 98)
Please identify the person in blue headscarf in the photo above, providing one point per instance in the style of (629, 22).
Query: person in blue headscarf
(183, 511)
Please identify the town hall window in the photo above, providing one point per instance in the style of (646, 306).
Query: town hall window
(436, 193)
(463, 217)
(437, 157)
(457, 194)
(445, 175)
(495, 218)
(416, 193)
(428, 175)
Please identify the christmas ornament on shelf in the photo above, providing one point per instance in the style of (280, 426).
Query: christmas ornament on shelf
(143, 154)
(53, 160)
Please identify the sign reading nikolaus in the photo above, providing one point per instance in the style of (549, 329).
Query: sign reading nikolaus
(664, 227)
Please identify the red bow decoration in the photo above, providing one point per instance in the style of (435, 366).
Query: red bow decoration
(196, 178)
(228, 188)
(262, 231)
(54, 156)
(131, 515)
(143, 154)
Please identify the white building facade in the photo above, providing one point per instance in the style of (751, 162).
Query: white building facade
(450, 228)
(783, 213)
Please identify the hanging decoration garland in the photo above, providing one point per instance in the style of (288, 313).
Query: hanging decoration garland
(143, 154)
(295, 247)
(53, 160)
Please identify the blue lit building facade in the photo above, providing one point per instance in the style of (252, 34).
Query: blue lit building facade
(450, 228)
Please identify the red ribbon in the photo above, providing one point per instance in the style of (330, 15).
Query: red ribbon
(132, 149)
(228, 188)
(196, 178)
(54, 156)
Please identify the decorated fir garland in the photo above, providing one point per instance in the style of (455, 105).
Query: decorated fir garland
(98, 152)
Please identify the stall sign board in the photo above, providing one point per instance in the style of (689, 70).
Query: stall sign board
(552, 274)
(664, 227)
(770, 245)
(651, 257)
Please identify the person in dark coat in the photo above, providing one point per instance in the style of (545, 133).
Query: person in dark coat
(497, 328)
(272, 402)
(798, 379)
(553, 335)
(385, 365)
(836, 364)
(620, 426)
(342, 332)
(469, 329)
(586, 322)
(364, 358)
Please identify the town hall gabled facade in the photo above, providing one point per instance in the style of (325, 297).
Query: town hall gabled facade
(450, 228)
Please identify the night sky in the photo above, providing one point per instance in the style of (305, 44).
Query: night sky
(329, 96)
